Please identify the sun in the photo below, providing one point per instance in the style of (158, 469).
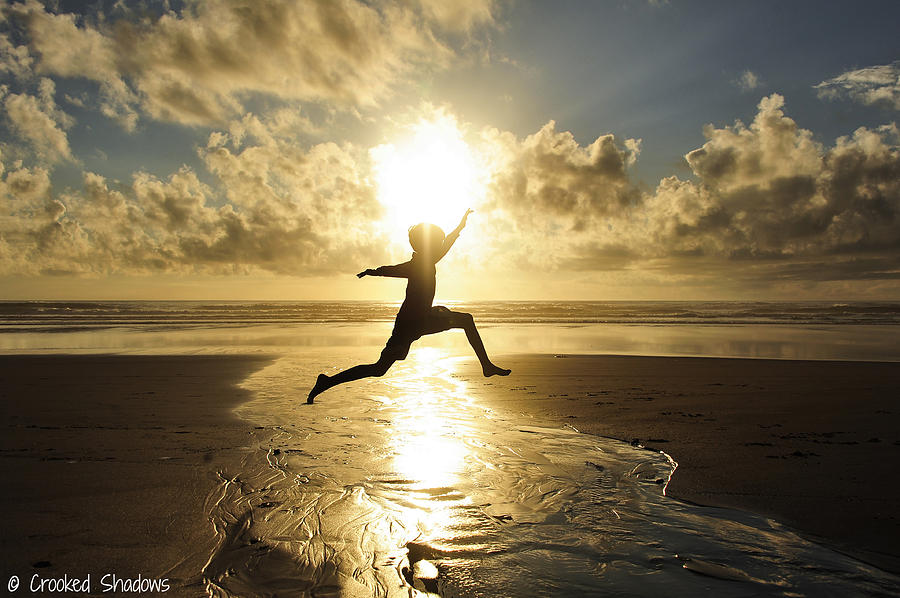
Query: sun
(429, 175)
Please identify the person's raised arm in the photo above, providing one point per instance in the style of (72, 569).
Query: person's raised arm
(396, 271)
(450, 239)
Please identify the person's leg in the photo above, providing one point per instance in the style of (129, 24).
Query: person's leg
(467, 322)
(324, 382)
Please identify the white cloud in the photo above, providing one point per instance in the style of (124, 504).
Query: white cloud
(878, 85)
(39, 120)
(748, 81)
(274, 206)
(194, 67)
(461, 15)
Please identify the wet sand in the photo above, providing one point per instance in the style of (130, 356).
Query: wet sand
(107, 461)
(813, 444)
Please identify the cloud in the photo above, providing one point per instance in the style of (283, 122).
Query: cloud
(290, 209)
(24, 185)
(272, 206)
(748, 81)
(878, 85)
(770, 191)
(766, 196)
(15, 61)
(197, 66)
(765, 204)
(548, 191)
(461, 15)
(38, 120)
(30, 221)
(550, 173)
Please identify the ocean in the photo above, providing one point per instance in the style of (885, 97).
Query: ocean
(46, 314)
(785, 330)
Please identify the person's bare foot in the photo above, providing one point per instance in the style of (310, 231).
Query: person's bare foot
(493, 370)
(320, 387)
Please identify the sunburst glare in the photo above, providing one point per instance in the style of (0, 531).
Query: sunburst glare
(430, 175)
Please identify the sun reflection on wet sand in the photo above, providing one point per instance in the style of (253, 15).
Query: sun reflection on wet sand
(431, 422)
(430, 460)
(409, 473)
(429, 442)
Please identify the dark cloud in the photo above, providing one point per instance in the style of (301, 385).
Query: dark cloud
(548, 176)
(764, 195)
(549, 194)
(769, 189)
(593, 256)
(852, 268)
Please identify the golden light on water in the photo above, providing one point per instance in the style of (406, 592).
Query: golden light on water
(429, 445)
(431, 461)
(429, 175)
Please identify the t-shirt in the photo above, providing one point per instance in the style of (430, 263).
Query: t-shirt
(421, 274)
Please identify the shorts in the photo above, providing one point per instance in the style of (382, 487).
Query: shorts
(408, 330)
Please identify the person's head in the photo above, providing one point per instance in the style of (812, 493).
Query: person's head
(426, 238)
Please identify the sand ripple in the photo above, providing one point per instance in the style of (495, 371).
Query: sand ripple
(406, 486)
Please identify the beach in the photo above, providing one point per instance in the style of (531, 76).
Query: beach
(107, 461)
(113, 462)
(466, 299)
(813, 444)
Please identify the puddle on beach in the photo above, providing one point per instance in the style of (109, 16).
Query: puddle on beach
(405, 486)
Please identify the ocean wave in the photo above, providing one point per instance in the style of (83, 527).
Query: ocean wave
(40, 314)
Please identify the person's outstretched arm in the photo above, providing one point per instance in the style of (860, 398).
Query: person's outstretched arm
(396, 271)
(450, 239)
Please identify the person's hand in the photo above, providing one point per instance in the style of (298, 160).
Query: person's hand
(367, 272)
(465, 217)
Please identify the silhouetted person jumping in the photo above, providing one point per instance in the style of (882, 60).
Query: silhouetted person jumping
(417, 317)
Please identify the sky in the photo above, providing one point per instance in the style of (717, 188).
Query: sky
(610, 150)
